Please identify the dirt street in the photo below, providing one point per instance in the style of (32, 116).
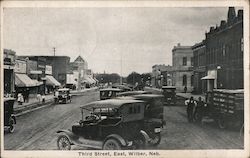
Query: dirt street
(37, 130)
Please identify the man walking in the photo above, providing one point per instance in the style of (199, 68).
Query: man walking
(190, 108)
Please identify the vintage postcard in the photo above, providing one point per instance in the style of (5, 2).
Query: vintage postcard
(119, 79)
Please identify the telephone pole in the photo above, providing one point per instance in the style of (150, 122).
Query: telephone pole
(54, 50)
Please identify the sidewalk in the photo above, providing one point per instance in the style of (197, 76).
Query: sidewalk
(34, 104)
(188, 95)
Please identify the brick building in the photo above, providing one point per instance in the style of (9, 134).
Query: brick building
(182, 57)
(224, 53)
(199, 69)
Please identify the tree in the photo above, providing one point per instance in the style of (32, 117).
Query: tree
(133, 78)
(106, 78)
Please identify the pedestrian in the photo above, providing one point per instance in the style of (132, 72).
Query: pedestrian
(20, 99)
(185, 89)
(39, 97)
(199, 110)
(24, 95)
(56, 96)
(190, 108)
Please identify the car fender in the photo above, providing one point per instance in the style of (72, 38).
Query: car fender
(117, 137)
(146, 137)
(14, 118)
(70, 135)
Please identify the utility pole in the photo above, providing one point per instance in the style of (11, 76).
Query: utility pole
(121, 70)
(54, 50)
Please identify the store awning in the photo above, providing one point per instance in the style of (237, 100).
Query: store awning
(208, 77)
(22, 80)
(88, 80)
(51, 81)
(37, 82)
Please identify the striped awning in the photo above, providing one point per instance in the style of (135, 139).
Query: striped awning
(23, 80)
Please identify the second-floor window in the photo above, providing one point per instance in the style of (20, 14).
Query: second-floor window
(184, 61)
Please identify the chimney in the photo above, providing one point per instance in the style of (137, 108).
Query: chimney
(211, 29)
(178, 44)
(240, 14)
(231, 15)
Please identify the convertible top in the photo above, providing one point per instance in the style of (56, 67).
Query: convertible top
(133, 93)
(111, 89)
(111, 103)
(168, 87)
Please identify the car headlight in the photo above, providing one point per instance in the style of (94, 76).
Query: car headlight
(157, 130)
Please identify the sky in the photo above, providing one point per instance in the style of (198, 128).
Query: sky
(114, 40)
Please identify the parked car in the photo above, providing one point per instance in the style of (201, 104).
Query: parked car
(113, 124)
(131, 93)
(64, 95)
(9, 117)
(108, 93)
(169, 95)
(124, 88)
(153, 115)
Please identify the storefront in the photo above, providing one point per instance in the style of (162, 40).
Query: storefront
(9, 77)
(51, 82)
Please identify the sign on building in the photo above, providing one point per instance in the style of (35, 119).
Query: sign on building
(20, 66)
(48, 70)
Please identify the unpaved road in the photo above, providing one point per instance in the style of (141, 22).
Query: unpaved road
(37, 130)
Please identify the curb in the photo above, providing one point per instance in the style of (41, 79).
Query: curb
(36, 106)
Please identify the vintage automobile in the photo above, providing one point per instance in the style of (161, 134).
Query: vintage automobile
(64, 95)
(153, 115)
(131, 93)
(108, 93)
(124, 88)
(9, 117)
(169, 95)
(113, 124)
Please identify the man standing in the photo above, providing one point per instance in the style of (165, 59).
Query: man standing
(190, 108)
(198, 112)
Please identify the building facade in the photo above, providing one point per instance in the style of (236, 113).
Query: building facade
(199, 68)
(182, 59)
(224, 53)
(162, 75)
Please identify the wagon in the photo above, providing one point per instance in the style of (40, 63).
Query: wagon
(112, 124)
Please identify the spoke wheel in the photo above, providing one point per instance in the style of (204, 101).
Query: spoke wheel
(63, 143)
(156, 140)
(111, 144)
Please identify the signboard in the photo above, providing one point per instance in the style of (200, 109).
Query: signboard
(20, 67)
(48, 70)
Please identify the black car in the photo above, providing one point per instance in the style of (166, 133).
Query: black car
(9, 117)
(109, 93)
(113, 124)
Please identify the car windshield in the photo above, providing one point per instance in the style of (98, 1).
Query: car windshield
(168, 90)
(63, 92)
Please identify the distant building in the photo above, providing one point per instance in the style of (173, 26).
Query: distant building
(224, 53)
(182, 57)
(199, 68)
(161, 75)
(79, 76)
(9, 76)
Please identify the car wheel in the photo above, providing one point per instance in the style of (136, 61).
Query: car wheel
(11, 127)
(111, 144)
(156, 140)
(63, 143)
(221, 123)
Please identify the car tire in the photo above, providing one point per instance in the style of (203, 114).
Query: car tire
(111, 144)
(221, 123)
(63, 143)
(11, 125)
(156, 140)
